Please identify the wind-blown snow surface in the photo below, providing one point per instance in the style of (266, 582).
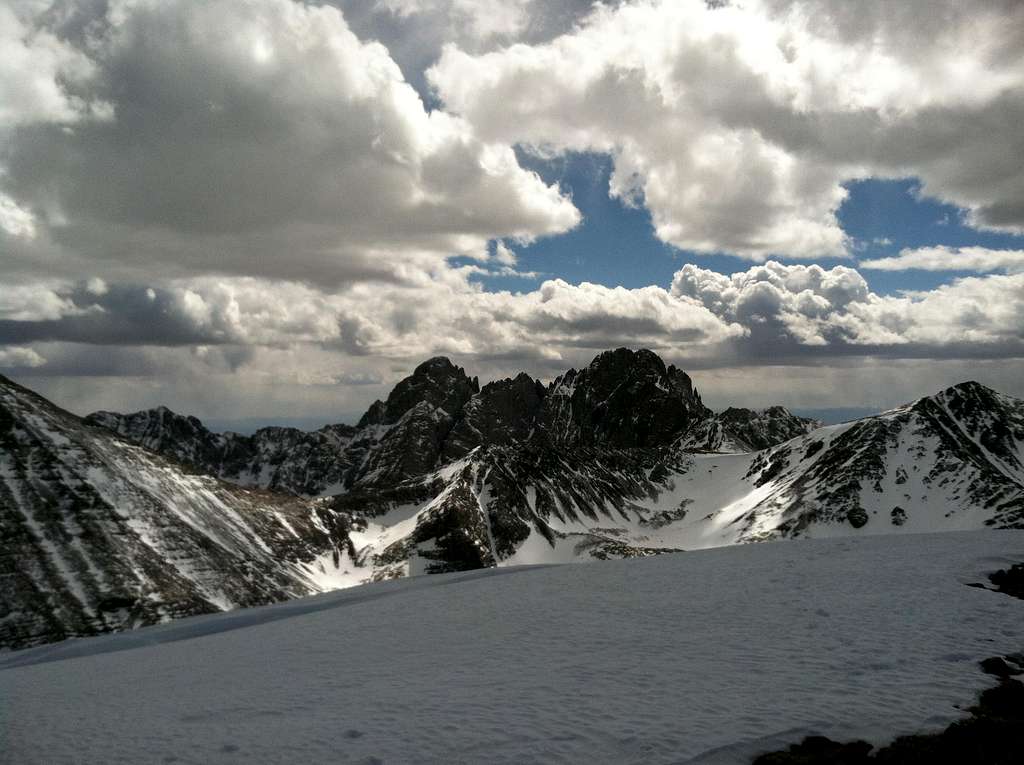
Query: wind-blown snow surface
(708, 656)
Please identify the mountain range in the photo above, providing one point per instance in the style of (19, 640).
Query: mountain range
(114, 521)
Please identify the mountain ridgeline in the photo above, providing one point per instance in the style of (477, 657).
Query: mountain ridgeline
(625, 398)
(120, 520)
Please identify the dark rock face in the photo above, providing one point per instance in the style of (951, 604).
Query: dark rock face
(1010, 580)
(420, 412)
(281, 459)
(502, 413)
(858, 517)
(625, 399)
(436, 382)
(759, 430)
(410, 447)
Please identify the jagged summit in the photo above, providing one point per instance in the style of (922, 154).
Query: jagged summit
(623, 397)
(502, 412)
(437, 381)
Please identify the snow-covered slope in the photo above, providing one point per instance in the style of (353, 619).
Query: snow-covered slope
(948, 462)
(614, 461)
(102, 535)
(704, 657)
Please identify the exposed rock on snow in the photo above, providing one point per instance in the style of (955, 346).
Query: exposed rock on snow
(620, 459)
(747, 430)
(992, 734)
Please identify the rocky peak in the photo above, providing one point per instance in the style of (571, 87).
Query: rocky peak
(992, 420)
(623, 397)
(740, 429)
(437, 381)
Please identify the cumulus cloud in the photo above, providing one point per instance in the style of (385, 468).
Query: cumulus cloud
(259, 138)
(42, 73)
(19, 358)
(504, 255)
(415, 31)
(15, 220)
(943, 258)
(478, 20)
(736, 124)
(395, 322)
(816, 312)
(769, 312)
(35, 302)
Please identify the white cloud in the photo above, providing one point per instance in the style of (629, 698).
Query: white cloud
(478, 20)
(793, 305)
(942, 258)
(15, 219)
(263, 138)
(765, 313)
(35, 302)
(737, 125)
(13, 358)
(96, 286)
(41, 73)
(402, 322)
(504, 255)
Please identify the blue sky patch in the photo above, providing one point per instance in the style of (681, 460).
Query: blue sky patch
(615, 244)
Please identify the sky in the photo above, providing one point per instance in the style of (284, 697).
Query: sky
(264, 211)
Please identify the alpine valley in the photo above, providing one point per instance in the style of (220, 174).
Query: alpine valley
(115, 521)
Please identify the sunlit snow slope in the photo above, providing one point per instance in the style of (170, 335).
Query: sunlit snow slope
(709, 656)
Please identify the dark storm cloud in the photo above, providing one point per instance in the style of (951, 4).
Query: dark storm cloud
(124, 315)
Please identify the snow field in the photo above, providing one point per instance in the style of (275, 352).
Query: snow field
(707, 656)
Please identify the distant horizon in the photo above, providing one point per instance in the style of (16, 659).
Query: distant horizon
(249, 425)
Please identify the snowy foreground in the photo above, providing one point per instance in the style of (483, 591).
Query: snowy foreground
(710, 656)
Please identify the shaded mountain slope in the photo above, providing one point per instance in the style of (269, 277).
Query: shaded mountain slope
(101, 535)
